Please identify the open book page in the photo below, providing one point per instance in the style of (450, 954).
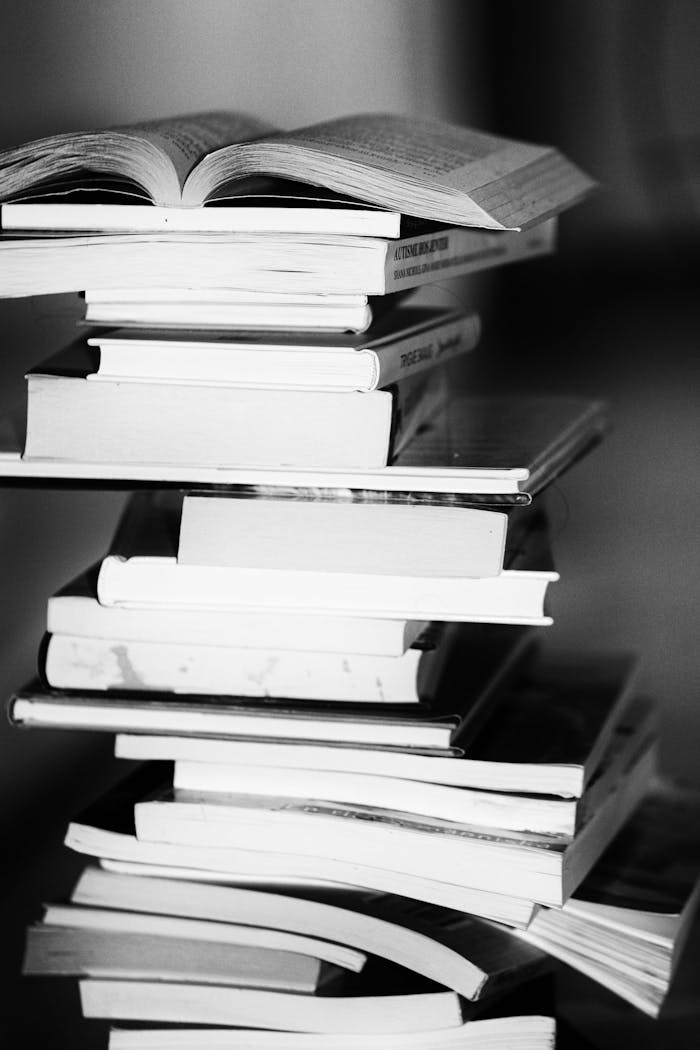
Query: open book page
(425, 168)
(154, 155)
(186, 140)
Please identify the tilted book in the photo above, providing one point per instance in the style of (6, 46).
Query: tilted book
(545, 734)
(84, 952)
(545, 869)
(456, 951)
(106, 831)
(627, 923)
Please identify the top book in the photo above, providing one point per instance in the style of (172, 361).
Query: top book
(428, 169)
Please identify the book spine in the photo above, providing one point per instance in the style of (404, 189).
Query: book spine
(422, 350)
(416, 400)
(416, 261)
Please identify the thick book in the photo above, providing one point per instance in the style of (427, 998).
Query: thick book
(69, 417)
(78, 952)
(303, 531)
(74, 609)
(454, 950)
(492, 658)
(545, 737)
(511, 811)
(141, 571)
(554, 746)
(544, 869)
(106, 831)
(281, 872)
(119, 915)
(529, 1032)
(256, 1008)
(626, 925)
(284, 264)
(74, 662)
(230, 308)
(407, 341)
(512, 597)
(490, 449)
(421, 167)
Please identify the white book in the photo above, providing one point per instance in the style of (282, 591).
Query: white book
(341, 535)
(516, 1033)
(479, 446)
(408, 341)
(429, 168)
(628, 922)
(504, 810)
(456, 951)
(515, 596)
(490, 809)
(113, 918)
(546, 736)
(291, 264)
(210, 308)
(141, 571)
(232, 717)
(90, 951)
(213, 425)
(283, 213)
(540, 868)
(75, 610)
(460, 772)
(74, 662)
(93, 834)
(253, 1008)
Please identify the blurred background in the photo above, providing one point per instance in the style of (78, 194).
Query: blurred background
(615, 85)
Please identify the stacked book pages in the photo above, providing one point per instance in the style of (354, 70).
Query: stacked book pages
(363, 785)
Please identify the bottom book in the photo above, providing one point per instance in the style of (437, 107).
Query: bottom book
(515, 1033)
(185, 1003)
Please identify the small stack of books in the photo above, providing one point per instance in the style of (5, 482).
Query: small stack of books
(336, 648)
(194, 952)
(628, 921)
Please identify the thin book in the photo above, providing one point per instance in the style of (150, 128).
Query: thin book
(407, 341)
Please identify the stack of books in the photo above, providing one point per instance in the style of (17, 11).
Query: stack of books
(334, 646)
(628, 921)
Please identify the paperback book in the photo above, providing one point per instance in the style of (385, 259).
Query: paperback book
(422, 167)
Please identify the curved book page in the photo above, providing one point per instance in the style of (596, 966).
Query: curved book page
(155, 155)
(424, 168)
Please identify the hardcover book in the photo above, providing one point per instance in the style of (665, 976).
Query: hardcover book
(490, 449)
(407, 341)
(218, 425)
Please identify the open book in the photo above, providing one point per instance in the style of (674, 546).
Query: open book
(424, 168)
